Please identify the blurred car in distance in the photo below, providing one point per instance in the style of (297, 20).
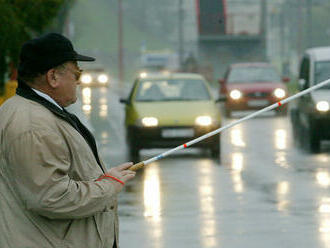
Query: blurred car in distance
(94, 76)
(167, 110)
(158, 61)
(310, 115)
(252, 86)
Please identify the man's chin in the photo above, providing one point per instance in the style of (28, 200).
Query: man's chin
(70, 103)
(74, 100)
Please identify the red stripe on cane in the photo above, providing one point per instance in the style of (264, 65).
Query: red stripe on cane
(185, 145)
(279, 104)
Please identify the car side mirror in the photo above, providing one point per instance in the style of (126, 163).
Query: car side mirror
(286, 79)
(221, 81)
(222, 98)
(222, 85)
(123, 100)
(302, 84)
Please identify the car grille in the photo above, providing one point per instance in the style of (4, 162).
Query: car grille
(258, 94)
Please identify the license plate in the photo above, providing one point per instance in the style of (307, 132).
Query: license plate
(258, 103)
(178, 133)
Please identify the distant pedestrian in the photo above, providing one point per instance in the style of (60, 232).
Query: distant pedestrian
(54, 189)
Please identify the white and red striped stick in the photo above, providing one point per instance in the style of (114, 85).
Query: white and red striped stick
(271, 107)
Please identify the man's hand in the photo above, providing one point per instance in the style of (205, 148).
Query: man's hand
(122, 173)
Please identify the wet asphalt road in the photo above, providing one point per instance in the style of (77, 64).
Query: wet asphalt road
(264, 193)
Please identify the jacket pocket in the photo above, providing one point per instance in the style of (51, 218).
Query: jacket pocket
(105, 223)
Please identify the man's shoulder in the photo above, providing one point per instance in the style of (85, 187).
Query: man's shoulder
(23, 107)
(19, 114)
(19, 102)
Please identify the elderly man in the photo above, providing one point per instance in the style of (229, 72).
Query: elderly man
(54, 189)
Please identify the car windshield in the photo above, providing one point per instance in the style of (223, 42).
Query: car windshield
(322, 72)
(172, 90)
(252, 74)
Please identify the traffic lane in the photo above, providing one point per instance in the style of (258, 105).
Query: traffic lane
(196, 204)
(292, 181)
(266, 192)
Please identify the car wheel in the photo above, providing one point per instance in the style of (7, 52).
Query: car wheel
(216, 151)
(298, 130)
(133, 146)
(310, 140)
(296, 133)
(301, 139)
(314, 141)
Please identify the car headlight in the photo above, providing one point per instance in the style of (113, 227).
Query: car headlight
(279, 93)
(235, 94)
(149, 121)
(102, 78)
(143, 74)
(203, 120)
(322, 106)
(86, 78)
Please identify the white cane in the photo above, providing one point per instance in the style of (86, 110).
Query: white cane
(271, 107)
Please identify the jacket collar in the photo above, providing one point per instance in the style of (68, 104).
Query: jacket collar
(25, 91)
(47, 97)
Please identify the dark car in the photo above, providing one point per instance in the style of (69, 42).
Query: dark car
(310, 114)
(252, 86)
(94, 76)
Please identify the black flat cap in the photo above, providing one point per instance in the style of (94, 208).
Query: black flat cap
(48, 51)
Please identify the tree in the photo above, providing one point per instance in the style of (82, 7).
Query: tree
(20, 21)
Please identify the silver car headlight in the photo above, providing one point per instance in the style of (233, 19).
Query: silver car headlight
(204, 120)
(86, 78)
(279, 93)
(322, 106)
(149, 121)
(103, 78)
(235, 94)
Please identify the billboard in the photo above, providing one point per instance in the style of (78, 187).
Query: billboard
(229, 17)
(243, 17)
(211, 17)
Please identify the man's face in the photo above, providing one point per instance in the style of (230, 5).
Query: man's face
(68, 81)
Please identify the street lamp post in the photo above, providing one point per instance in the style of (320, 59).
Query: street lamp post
(120, 45)
(310, 23)
(180, 34)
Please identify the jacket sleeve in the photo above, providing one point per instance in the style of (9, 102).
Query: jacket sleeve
(40, 164)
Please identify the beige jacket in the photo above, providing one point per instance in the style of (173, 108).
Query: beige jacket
(48, 193)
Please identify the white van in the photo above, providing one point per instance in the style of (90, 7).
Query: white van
(315, 66)
(311, 116)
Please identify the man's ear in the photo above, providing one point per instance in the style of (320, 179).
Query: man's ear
(52, 78)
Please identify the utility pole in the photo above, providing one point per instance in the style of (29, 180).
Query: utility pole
(263, 26)
(310, 23)
(282, 32)
(120, 45)
(180, 33)
(300, 27)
